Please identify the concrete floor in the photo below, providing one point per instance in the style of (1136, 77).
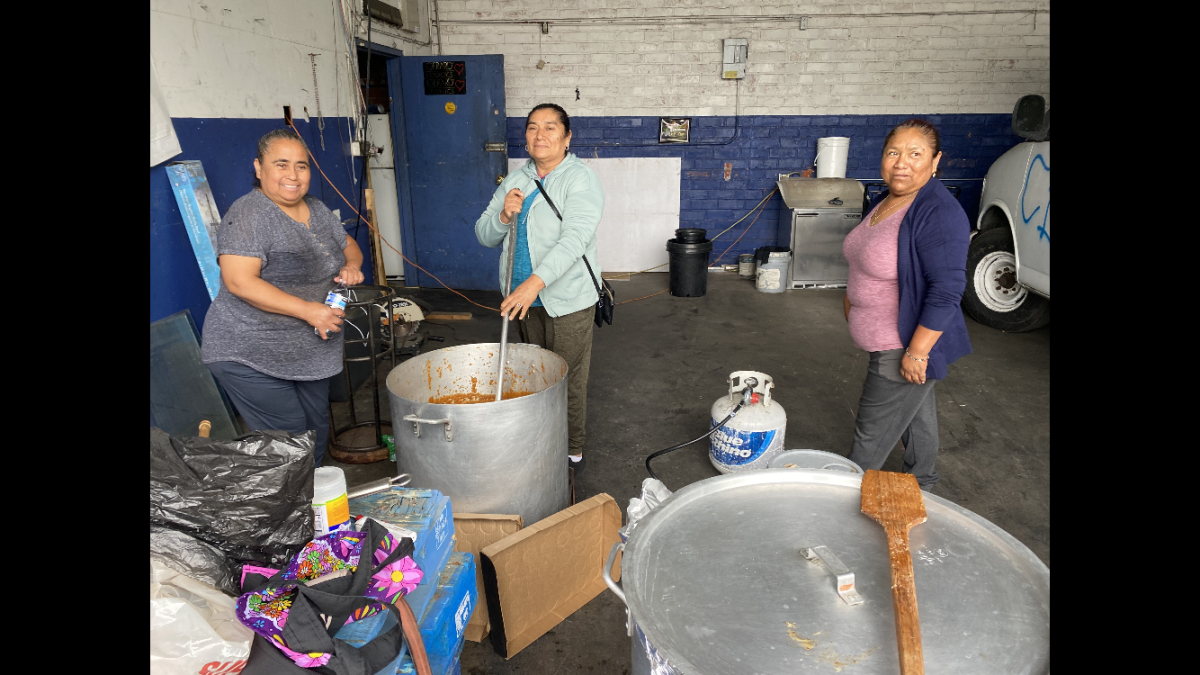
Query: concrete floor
(657, 370)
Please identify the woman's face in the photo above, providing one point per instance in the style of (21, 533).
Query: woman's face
(284, 172)
(908, 162)
(544, 136)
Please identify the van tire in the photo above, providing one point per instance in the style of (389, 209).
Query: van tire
(993, 297)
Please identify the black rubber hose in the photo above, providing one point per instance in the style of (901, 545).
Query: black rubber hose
(681, 445)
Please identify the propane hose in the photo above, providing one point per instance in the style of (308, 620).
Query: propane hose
(745, 399)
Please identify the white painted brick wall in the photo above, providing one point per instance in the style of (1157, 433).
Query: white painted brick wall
(248, 59)
(627, 58)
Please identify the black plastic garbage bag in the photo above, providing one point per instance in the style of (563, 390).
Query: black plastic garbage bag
(248, 500)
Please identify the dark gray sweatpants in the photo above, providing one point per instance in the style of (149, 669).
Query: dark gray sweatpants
(266, 402)
(890, 411)
(569, 336)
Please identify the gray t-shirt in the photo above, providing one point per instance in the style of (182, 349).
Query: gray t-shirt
(297, 260)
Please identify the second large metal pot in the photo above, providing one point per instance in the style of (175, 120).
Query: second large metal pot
(497, 457)
(718, 579)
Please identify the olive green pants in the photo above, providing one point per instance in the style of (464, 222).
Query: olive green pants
(570, 337)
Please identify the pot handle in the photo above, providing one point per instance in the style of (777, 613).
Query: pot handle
(607, 572)
(418, 421)
(838, 466)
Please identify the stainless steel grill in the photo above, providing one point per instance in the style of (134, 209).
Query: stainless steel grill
(814, 219)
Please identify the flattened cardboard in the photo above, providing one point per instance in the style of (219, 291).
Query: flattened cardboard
(475, 531)
(541, 575)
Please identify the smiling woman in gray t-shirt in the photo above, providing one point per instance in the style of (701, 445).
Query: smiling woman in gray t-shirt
(280, 253)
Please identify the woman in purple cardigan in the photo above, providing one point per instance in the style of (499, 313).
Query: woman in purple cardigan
(908, 260)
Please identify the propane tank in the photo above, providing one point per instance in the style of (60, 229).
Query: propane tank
(755, 435)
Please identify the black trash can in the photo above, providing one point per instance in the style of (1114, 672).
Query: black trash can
(763, 253)
(689, 252)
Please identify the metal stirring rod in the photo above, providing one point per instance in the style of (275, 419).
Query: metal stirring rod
(512, 246)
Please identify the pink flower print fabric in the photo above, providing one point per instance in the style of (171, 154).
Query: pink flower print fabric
(397, 579)
(265, 612)
(325, 554)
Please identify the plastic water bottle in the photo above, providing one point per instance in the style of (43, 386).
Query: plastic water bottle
(337, 300)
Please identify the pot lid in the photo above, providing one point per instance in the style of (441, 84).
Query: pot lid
(821, 193)
(717, 579)
(813, 459)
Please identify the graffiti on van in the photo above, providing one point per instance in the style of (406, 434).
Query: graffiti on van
(1036, 193)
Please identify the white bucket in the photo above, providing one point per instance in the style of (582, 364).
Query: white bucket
(771, 277)
(331, 508)
(832, 152)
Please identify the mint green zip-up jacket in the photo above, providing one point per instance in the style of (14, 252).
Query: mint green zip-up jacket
(556, 248)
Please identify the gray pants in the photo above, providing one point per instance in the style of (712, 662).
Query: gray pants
(892, 409)
(266, 402)
(569, 336)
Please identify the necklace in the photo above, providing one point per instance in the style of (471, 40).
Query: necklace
(876, 217)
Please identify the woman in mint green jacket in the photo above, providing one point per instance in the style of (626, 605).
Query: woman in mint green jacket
(554, 295)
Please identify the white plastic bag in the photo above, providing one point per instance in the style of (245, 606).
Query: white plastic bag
(654, 492)
(193, 630)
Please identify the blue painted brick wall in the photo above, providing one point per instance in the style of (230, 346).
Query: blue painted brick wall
(767, 145)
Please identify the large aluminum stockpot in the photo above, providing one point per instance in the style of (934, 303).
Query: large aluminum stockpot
(505, 456)
(717, 581)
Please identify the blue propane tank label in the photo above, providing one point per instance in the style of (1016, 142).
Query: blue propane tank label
(738, 448)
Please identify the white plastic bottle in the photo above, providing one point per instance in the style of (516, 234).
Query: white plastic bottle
(331, 507)
(337, 300)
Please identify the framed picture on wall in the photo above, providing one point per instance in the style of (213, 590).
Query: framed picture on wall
(674, 129)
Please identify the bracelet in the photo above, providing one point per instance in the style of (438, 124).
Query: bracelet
(915, 358)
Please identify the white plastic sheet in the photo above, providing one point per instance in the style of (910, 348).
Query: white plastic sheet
(193, 630)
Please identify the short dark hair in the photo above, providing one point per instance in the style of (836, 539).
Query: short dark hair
(927, 130)
(264, 144)
(563, 118)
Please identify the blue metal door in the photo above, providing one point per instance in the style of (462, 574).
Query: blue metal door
(455, 131)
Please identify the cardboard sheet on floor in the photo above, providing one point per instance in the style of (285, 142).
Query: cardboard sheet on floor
(475, 532)
(539, 576)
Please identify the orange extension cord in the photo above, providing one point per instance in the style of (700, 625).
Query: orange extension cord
(494, 309)
(735, 241)
(372, 228)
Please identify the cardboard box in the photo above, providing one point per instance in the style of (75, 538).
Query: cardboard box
(539, 576)
(476, 531)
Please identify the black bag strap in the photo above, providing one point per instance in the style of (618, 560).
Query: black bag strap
(546, 196)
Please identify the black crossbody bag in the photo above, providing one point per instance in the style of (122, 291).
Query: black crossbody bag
(607, 299)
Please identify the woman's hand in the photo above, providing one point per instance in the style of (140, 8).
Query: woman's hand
(918, 347)
(914, 371)
(350, 275)
(516, 305)
(324, 318)
(512, 205)
(846, 306)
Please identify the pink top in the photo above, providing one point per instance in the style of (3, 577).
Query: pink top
(872, 286)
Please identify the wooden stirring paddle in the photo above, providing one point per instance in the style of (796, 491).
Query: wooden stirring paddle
(894, 501)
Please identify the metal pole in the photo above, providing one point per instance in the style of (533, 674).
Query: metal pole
(512, 246)
(373, 351)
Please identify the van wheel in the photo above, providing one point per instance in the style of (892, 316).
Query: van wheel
(993, 297)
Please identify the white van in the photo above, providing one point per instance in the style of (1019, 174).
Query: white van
(1008, 264)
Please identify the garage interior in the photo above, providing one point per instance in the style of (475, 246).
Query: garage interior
(657, 369)
(694, 117)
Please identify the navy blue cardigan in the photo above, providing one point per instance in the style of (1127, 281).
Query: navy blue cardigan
(931, 267)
